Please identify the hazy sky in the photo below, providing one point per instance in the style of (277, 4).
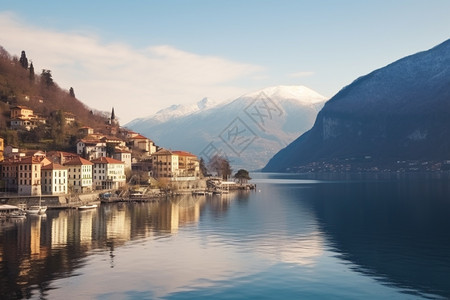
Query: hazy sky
(141, 56)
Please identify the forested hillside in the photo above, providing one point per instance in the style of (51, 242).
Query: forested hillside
(21, 84)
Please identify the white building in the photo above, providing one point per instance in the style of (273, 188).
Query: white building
(79, 175)
(109, 173)
(123, 155)
(54, 179)
(91, 149)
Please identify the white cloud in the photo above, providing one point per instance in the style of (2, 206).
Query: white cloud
(137, 82)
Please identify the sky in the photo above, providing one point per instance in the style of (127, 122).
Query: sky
(142, 56)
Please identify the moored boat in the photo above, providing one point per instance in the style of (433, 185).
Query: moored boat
(88, 206)
(36, 210)
(11, 211)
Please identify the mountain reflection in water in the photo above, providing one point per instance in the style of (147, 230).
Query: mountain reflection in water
(296, 236)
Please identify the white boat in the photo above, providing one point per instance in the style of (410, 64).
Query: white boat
(36, 210)
(89, 206)
(11, 211)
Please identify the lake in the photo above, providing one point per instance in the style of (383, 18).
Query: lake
(296, 237)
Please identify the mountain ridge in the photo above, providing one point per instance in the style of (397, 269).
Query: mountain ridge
(208, 127)
(394, 113)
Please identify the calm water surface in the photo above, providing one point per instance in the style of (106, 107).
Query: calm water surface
(295, 237)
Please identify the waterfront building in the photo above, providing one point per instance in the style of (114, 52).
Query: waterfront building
(164, 163)
(29, 176)
(109, 173)
(79, 175)
(9, 169)
(188, 164)
(54, 179)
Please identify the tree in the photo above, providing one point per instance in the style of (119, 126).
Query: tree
(47, 77)
(110, 150)
(57, 125)
(242, 176)
(23, 60)
(31, 72)
(220, 165)
(203, 169)
(71, 92)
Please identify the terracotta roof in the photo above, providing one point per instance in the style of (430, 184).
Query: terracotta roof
(59, 153)
(29, 160)
(122, 151)
(78, 161)
(183, 153)
(163, 151)
(53, 166)
(106, 160)
(139, 137)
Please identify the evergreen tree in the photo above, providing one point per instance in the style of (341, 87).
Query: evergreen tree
(23, 60)
(46, 76)
(71, 92)
(203, 169)
(31, 72)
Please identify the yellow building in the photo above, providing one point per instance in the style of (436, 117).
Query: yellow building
(21, 112)
(188, 164)
(164, 164)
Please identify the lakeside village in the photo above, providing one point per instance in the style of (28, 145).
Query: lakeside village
(105, 168)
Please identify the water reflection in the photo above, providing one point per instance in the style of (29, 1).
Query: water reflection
(392, 229)
(305, 236)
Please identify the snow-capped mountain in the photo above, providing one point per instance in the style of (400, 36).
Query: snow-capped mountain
(396, 113)
(173, 112)
(248, 130)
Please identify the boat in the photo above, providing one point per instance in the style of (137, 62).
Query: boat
(11, 211)
(88, 206)
(20, 214)
(199, 192)
(37, 209)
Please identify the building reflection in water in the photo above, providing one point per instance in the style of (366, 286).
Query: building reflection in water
(118, 225)
(86, 228)
(60, 230)
(70, 234)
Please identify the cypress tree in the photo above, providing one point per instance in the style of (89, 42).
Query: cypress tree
(23, 60)
(31, 72)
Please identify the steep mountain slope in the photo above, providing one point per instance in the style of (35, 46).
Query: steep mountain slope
(399, 112)
(248, 130)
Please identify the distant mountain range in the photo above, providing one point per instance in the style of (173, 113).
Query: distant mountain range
(396, 113)
(248, 130)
